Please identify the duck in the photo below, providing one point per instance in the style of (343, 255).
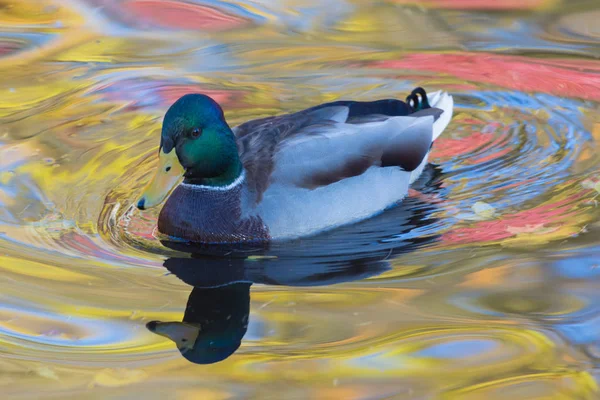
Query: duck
(288, 176)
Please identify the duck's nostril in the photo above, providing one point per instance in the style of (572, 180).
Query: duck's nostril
(141, 203)
(151, 325)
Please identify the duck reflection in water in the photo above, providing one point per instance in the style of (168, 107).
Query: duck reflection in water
(217, 312)
(214, 323)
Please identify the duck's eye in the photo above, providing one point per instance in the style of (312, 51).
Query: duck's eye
(168, 169)
(196, 132)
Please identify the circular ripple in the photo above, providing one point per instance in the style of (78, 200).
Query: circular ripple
(55, 337)
(534, 386)
(533, 303)
(366, 344)
(494, 137)
(460, 349)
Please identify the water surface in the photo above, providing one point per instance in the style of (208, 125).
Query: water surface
(483, 283)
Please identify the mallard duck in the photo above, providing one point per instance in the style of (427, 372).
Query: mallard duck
(292, 175)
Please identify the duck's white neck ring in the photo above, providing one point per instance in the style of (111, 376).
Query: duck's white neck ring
(238, 181)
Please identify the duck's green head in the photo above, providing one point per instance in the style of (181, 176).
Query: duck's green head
(196, 143)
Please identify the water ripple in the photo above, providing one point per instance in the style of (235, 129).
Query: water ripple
(482, 283)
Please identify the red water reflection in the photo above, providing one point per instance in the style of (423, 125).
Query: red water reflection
(544, 217)
(7, 47)
(171, 14)
(150, 93)
(169, 94)
(579, 79)
(448, 147)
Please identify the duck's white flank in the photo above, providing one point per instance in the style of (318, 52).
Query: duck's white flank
(291, 212)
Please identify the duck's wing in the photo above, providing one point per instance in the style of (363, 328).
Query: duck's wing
(328, 143)
(259, 140)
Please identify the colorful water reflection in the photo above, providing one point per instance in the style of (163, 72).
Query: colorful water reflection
(481, 284)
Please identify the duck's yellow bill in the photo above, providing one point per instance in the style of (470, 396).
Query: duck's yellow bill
(167, 175)
(184, 335)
